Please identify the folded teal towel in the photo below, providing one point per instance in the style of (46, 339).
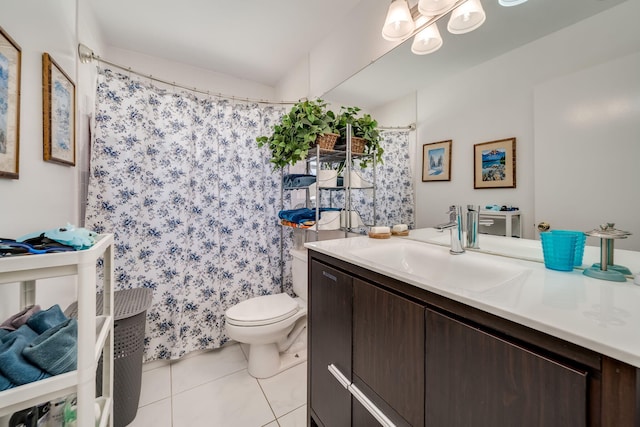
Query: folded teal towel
(19, 319)
(55, 351)
(5, 384)
(3, 333)
(46, 319)
(302, 214)
(24, 331)
(14, 367)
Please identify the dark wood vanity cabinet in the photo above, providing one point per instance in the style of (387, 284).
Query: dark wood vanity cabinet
(422, 359)
(329, 329)
(388, 351)
(476, 379)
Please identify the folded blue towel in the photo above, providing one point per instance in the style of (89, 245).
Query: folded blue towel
(14, 367)
(294, 180)
(46, 319)
(302, 215)
(24, 331)
(5, 384)
(55, 351)
(298, 215)
(3, 333)
(19, 319)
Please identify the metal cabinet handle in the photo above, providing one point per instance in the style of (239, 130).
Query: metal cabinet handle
(369, 406)
(329, 276)
(360, 396)
(344, 382)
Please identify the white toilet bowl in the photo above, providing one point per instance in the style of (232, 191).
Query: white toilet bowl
(270, 324)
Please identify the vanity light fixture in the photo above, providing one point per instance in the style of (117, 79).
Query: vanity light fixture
(428, 40)
(403, 22)
(466, 17)
(434, 7)
(399, 22)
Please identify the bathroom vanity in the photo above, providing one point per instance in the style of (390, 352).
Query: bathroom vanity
(403, 333)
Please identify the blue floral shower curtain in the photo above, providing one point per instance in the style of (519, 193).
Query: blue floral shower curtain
(192, 203)
(394, 182)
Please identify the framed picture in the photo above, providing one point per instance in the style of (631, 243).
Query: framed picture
(59, 113)
(494, 164)
(10, 60)
(436, 161)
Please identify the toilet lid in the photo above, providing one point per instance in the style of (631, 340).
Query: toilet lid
(262, 310)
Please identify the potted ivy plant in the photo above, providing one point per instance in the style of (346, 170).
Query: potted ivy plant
(298, 131)
(363, 127)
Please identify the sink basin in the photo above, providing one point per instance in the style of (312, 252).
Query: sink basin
(435, 266)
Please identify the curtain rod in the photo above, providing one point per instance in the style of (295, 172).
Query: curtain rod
(86, 56)
(410, 127)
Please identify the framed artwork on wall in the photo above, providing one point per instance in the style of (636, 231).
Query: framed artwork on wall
(494, 164)
(10, 62)
(59, 113)
(436, 161)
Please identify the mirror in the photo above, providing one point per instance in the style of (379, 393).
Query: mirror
(526, 249)
(506, 33)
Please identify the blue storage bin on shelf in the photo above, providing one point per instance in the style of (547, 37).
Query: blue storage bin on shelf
(559, 250)
(581, 239)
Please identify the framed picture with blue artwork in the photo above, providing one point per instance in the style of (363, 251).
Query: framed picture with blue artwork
(494, 164)
(436, 161)
(10, 59)
(59, 113)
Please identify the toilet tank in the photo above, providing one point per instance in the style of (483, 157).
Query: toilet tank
(299, 272)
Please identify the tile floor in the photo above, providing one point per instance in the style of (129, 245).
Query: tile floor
(213, 388)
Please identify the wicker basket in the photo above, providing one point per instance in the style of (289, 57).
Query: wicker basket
(327, 141)
(357, 145)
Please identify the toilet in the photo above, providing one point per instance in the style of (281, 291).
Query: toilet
(274, 326)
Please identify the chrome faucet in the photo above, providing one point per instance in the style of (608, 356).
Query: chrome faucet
(473, 221)
(473, 224)
(455, 227)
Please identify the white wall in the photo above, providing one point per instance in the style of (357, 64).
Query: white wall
(354, 44)
(400, 113)
(495, 100)
(192, 77)
(590, 120)
(45, 195)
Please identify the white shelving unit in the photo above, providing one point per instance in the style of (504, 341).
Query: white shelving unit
(509, 217)
(95, 333)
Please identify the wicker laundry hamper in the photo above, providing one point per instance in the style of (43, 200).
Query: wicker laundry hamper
(130, 313)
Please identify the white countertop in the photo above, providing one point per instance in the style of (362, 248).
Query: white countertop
(596, 314)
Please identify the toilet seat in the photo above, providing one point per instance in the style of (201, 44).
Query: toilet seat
(263, 310)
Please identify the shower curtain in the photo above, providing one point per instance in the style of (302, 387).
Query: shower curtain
(394, 182)
(192, 203)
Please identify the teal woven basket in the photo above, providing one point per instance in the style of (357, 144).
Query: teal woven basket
(559, 250)
(581, 239)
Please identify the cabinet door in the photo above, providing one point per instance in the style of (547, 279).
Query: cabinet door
(476, 379)
(388, 350)
(330, 297)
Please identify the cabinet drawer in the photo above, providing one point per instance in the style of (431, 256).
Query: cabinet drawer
(330, 299)
(388, 348)
(474, 378)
